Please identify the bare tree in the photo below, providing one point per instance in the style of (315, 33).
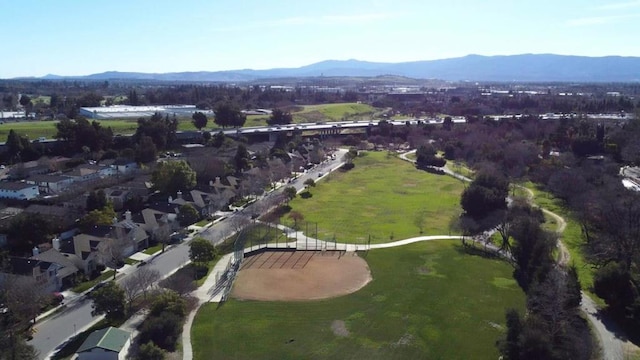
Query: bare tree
(278, 170)
(147, 278)
(139, 282)
(296, 216)
(420, 219)
(111, 252)
(21, 299)
(238, 222)
(162, 234)
(180, 282)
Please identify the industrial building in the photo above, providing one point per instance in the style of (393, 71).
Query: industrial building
(128, 111)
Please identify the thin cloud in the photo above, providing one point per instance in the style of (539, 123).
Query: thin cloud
(323, 20)
(620, 5)
(599, 20)
(331, 19)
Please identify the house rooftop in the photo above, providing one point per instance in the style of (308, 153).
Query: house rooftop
(47, 178)
(110, 339)
(54, 256)
(14, 186)
(123, 161)
(24, 266)
(48, 210)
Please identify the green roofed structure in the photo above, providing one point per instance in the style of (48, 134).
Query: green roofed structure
(105, 344)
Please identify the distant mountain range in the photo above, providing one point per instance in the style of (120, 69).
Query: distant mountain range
(520, 68)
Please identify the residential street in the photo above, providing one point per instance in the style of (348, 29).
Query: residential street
(57, 329)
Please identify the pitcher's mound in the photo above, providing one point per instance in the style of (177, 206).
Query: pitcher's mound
(300, 275)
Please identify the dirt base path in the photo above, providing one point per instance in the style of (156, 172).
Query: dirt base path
(300, 275)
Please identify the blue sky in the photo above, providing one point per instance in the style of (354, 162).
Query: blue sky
(80, 37)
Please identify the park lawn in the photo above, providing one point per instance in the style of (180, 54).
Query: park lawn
(381, 198)
(571, 237)
(427, 300)
(256, 120)
(333, 112)
(323, 112)
(259, 234)
(36, 129)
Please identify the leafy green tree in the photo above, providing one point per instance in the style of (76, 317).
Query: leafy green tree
(14, 145)
(199, 120)
(29, 230)
(309, 183)
(169, 177)
(351, 155)
(133, 98)
(201, 251)
(146, 150)
(426, 156)
(95, 217)
(90, 100)
(150, 351)
(613, 283)
(96, 200)
(25, 101)
(447, 124)
(532, 252)
(487, 193)
(241, 160)
(218, 139)
(510, 346)
(108, 300)
(162, 130)
(187, 215)
(169, 301)
(227, 114)
(163, 330)
(290, 193)
(82, 133)
(279, 117)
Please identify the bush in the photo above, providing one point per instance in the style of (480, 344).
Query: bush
(163, 329)
(150, 351)
(348, 166)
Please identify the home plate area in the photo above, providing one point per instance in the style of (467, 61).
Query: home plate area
(299, 275)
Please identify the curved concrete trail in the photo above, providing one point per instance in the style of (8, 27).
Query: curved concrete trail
(612, 345)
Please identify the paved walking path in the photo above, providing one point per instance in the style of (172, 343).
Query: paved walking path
(614, 347)
(213, 288)
(217, 283)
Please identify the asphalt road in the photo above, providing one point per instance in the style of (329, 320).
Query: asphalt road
(57, 329)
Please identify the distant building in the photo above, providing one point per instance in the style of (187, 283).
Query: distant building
(18, 190)
(129, 111)
(50, 184)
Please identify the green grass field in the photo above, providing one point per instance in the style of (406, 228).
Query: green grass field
(262, 234)
(427, 301)
(381, 196)
(324, 112)
(334, 112)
